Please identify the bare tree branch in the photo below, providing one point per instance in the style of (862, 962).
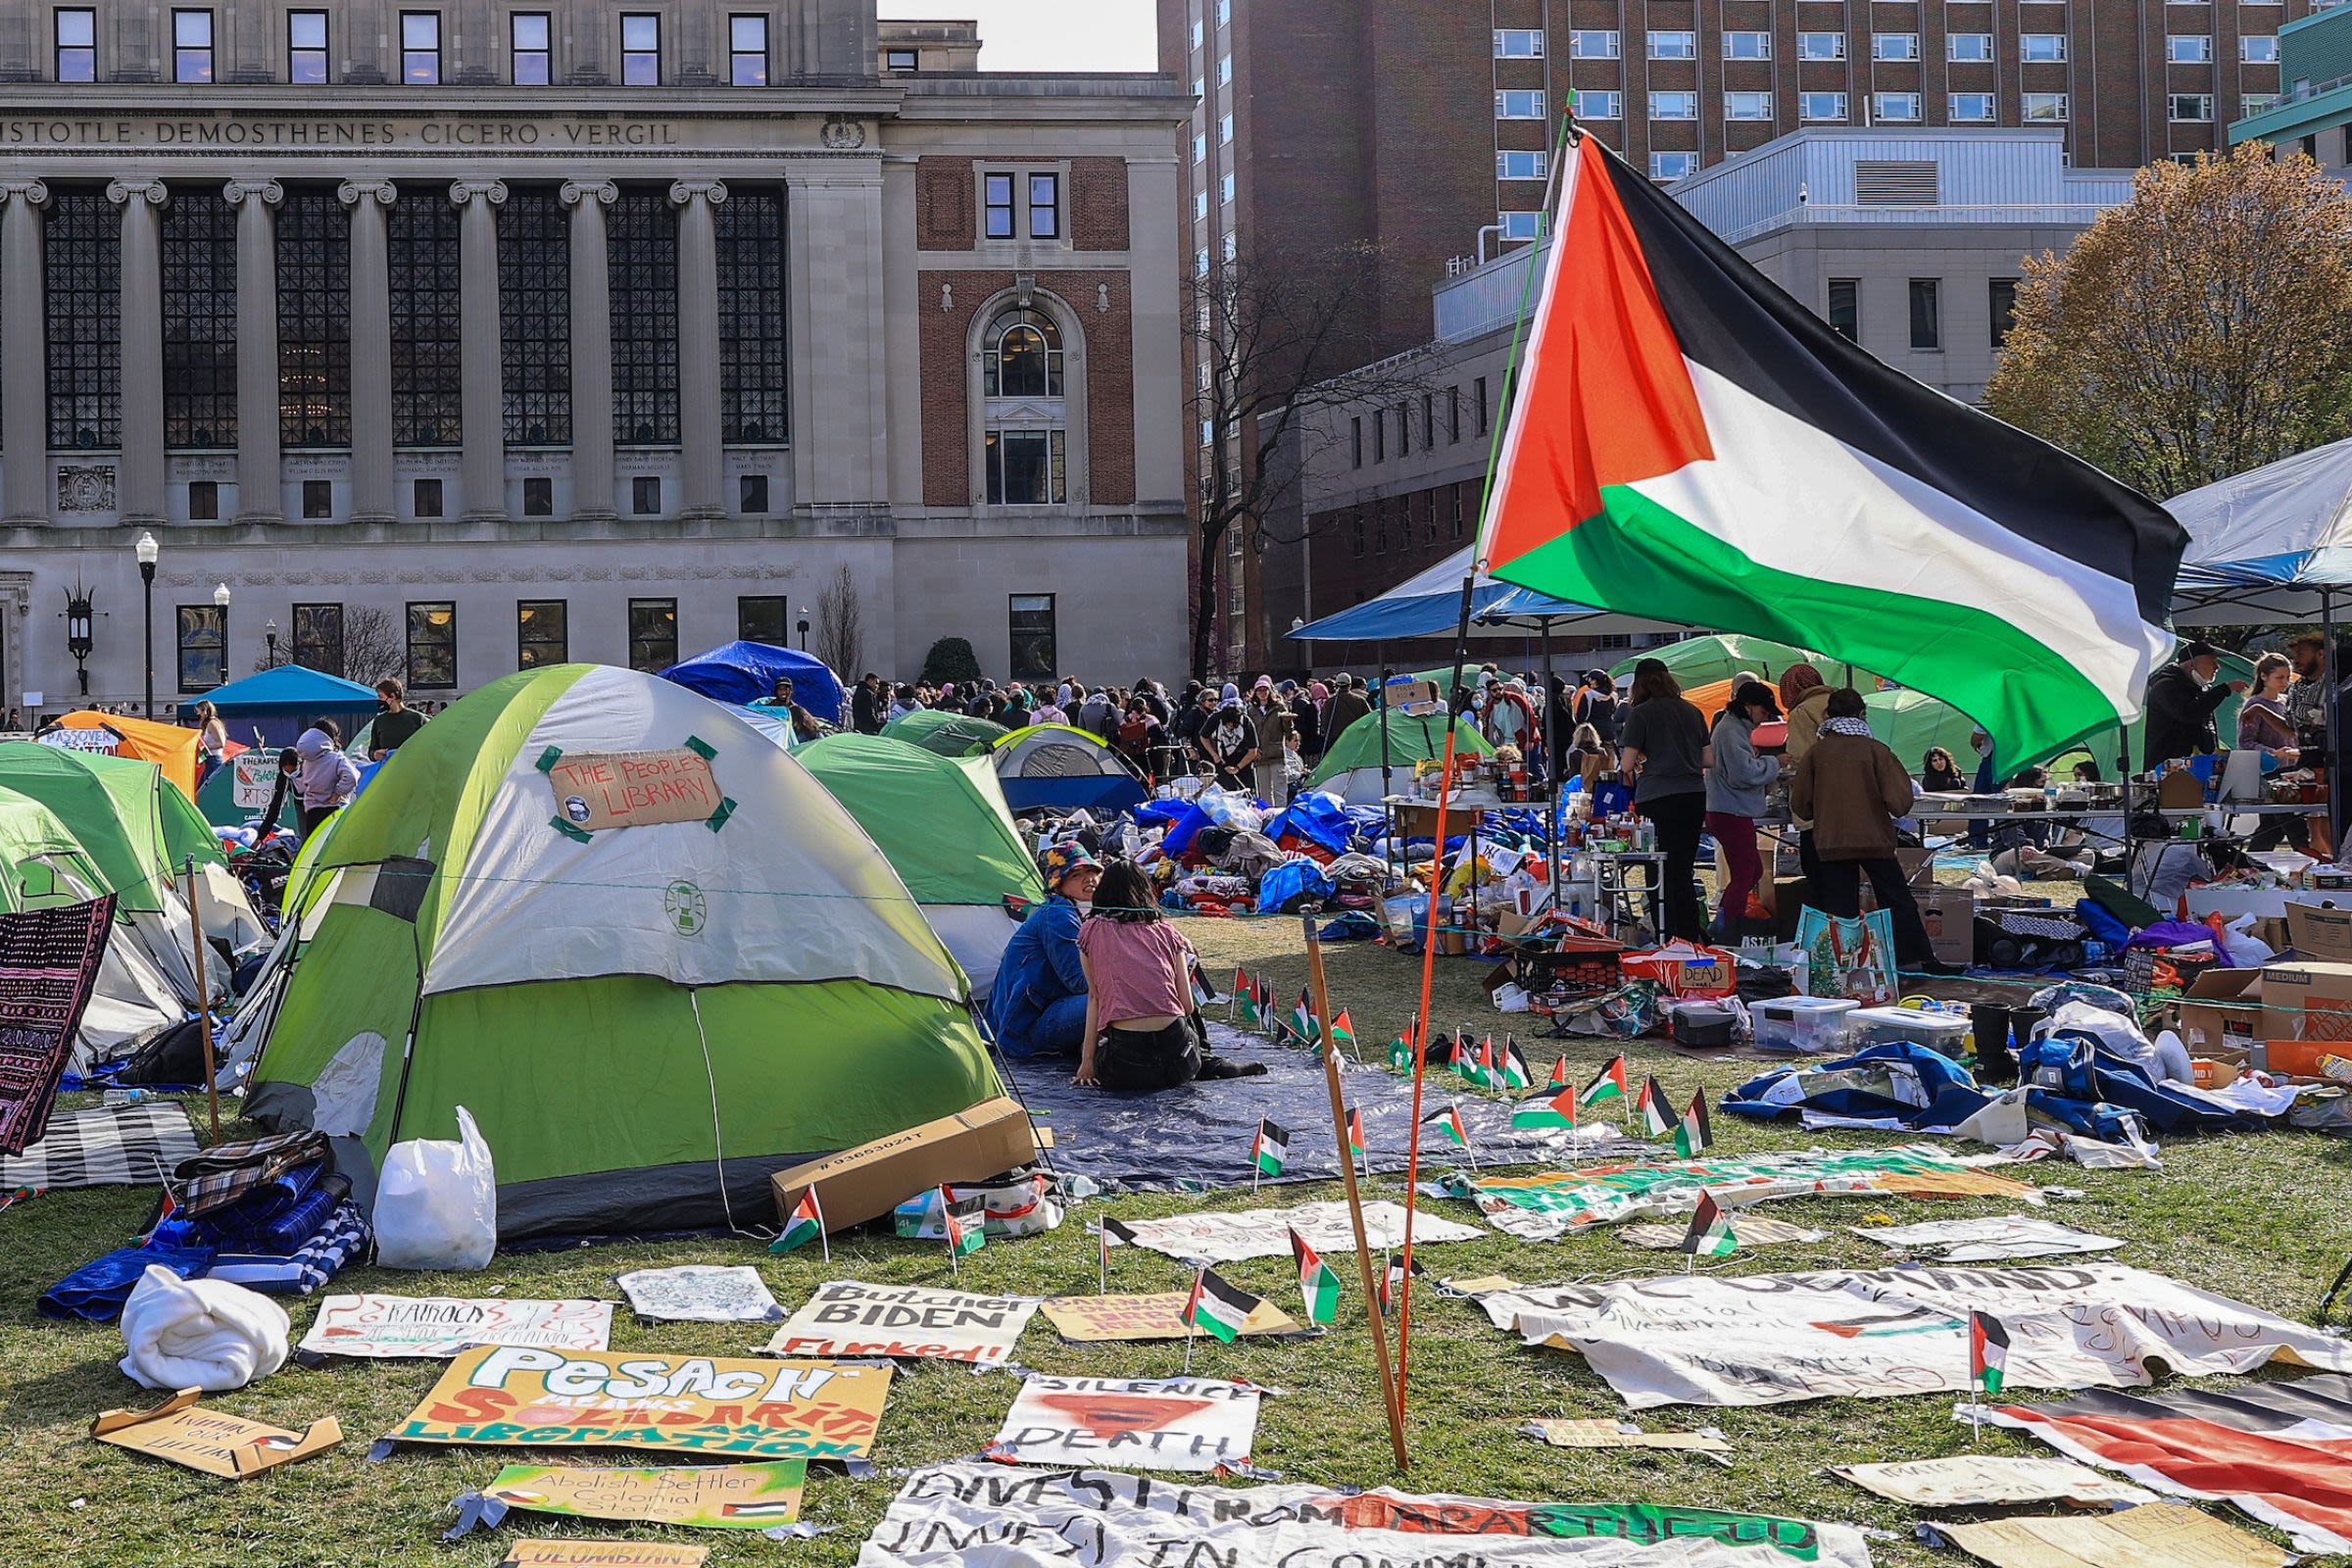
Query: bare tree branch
(374, 645)
(840, 629)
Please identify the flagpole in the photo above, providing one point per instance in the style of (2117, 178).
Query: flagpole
(1355, 1199)
(1455, 1106)
(824, 1243)
(1103, 1254)
(1189, 1329)
(946, 1225)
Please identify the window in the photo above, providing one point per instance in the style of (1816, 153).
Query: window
(1045, 207)
(759, 618)
(1747, 46)
(1379, 436)
(1457, 490)
(1846, 308)
(433, 646)
(751, 495)
(306, 47)
(1200, 206)
(1201, 263)
(317, 499)
(1404, 430)
(313, 318)
(1225, 67)
(203, 644)
(542, 634)
(1453, 416)
(538, 496)
(747, 51)
(1225, 130)
(1968, 108)
(1894, 46)
(1519, 225)
(1830, 105)
(1592, 43)
(1355, 531)
(1478, 389)
(901, 60)
(1967, 47)
(1927, 325)
(1024, 358)
(191, 46)
(534, 316)
(1748, 106)
(1196, 32)
(2192, 106)
(1428, 420)
(420, 48)
(645, 495)
(2189, 49)
(1518, 43)
(2041, 47)
(2259, 51)
(1522, 165)
(529, 60)
(77, 44)
(1199, 148)
(996, 203)
(1029, 618)
(427, 367)
(754, 373)
(1895, 108)
(1672, 165)
(200, 320)
(2001, 294)
(1027, 467)
(1674, 106)
(1673, 44)
(640, 49)
(653, 634)
(1821, 46)
(82, 273)
(2255, 102)
(1608, 105)
(642, 251)
(1517, 105)
(1356, 441)
(1225, 189)
(319, 638)
(424, 498)
(203, 500)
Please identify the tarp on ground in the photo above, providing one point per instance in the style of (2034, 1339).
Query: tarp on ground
(1351, 767)
(745, 672)
(949, 734)
(168, 747)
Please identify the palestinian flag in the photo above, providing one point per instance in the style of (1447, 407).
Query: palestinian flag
(967, 1221)
(1318, 1281)
(1401, 1053)
(1265, 1000)
(1609, 1083)
(1465, 1059)
(1355, 1133)
(1710, 1234)
(1303, 1021)
(1343, 1033)
(1513, 1065)
(1559, 1073)
(807, 1224)
(1216, 1308)
(1553, 1107)
(1688, 440)
(1656, 1119)
(1392, 1282)
(1694, 1133)
(1247, 995)
(1450, 1120)
(1110, 1231)
(1241, 985)
(1269, 1149)
(1987, 1354)
(1490, 1067)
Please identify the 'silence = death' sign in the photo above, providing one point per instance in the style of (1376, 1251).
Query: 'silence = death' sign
(599, 790)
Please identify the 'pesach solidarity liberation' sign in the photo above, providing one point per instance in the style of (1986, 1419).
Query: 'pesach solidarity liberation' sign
(847, 1318)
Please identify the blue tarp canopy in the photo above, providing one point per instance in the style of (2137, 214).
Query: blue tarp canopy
(287, 691)
(2264, 545)
(745, 672)
(1430, 602)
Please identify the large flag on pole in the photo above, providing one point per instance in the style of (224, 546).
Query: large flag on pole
(1688, 441)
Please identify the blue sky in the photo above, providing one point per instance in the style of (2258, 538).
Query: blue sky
(1049, 34)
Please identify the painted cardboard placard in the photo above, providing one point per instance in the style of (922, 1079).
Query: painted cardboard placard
(1975, 1480)
(1603, 1433)
(2161, 1535)
(721, 1497)
(442, 1326)
(598, 790)
(699, 1293)
(1230, 1238)
(225, 1445)
(1098, 1319)
(1193, 1424)
(253, 777)
(523, 1398)
(602, 1554)
(845, 1318)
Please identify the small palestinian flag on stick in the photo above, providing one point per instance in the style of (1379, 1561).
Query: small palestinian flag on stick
(1694, 1135)
(807, 1223)
(1318, 1281)
(1265, 1003)
(1608, 1084)
(1304, 1023)
(1392, 1282)
(1400, 1049)
(1513, 1063)
(967, 1223)
(1216, 1309)
(1987, 1354)
(1656, 1119)
(1465, 1059)
(1449, 1121)
(1268, 1151)
(1559, 1078)
(1710, 1234)
(1553, 1108)
(1343, 1033)
(1243, 992)
(1112, 1231)
(1355, 1133)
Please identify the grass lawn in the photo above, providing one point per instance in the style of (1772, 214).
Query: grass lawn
(2265, 1218)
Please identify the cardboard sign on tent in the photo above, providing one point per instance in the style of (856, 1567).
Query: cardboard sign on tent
(646, 1022)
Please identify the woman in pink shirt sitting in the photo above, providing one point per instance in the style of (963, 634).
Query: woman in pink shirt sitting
(1142, 1032)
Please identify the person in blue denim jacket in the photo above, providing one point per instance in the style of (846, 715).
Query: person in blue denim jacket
(1038, 1005)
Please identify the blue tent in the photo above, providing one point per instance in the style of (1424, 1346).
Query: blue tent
(276, 703)
(1429, 602)
(745, 672)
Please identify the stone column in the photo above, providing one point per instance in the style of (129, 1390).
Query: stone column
(902, 316)
(591, 349)
(833, 239)
(482, 404)
(139, 480)
(24, 354)
(371, 499)
(701, 459)
(260, 493)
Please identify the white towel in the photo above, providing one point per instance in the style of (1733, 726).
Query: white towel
(200, 1334)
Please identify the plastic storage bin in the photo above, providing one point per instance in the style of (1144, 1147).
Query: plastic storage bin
(1944, 1032)
(1799, 1024)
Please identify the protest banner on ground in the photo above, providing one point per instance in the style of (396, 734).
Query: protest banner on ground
(442, 1326)
(1975, 1480)
(2162, 1535)
(1193, 1424)
(986, 1516)
(696, 1292)
(1096, 1319)
(845, 1318)
(722, 1496)
(615, 1400)
(225, 1445)
(1753, 1232)
(1266, 1232)
(1988, 1238)
(1771, 1339)
(1603, 1433)
(602, 1554)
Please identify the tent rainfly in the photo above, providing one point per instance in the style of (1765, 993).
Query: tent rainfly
(745, 672)
(947, 734)
(1351, 765)
(1058, 766)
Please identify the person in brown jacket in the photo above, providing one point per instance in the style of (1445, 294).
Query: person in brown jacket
(1853, 788)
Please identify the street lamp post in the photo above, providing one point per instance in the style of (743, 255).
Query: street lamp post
(270, 634)
(804, 628)
(221, 602)
(147, 550)
(79, 614)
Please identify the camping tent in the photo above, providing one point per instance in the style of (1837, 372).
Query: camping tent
(1429, 602)
(943, 826)
(1061, 766)
(1350, 765)
(947, 733)
(1699, 660)
(745, 672)
(167, 746)
(216, 796)
(2265, 545)
(277, 703)
(645, 948)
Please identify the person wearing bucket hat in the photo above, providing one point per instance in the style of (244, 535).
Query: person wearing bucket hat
(1037, 1007)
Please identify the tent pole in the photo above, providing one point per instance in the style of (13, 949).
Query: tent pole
(1387, 785)
(2330, 674)
(204, 1002)
(1551, 756)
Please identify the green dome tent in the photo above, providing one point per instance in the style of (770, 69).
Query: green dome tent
(138, 829)
(1350, 765)
(1910, 722)
(947, 734)
(1703, 660)
(943, 825)
(41, 864)
(645, 948)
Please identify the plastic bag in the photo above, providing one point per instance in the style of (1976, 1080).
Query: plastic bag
(436, 1203)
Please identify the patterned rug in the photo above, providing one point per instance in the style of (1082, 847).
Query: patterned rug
(49, 963)
(129, 1146)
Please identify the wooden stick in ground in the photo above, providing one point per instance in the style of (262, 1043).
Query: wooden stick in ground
(1355, 1200)
(204, 1000)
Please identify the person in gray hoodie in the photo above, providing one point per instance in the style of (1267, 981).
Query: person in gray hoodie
(324, 778)
(1738, 777)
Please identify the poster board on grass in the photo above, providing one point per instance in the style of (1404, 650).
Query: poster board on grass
(442, 1326)
(1190, 1424)
(225, 1445)
(1100, 1319)
(847, 1317)
(721, 1497)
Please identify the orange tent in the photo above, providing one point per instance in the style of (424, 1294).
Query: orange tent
(167, 746)
(1716, 695)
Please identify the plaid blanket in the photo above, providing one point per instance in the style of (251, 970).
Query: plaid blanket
(49, 963)
(125, 1146)
(226, 1172)
(343, 1241)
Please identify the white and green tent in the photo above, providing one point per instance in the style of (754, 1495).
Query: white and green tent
(652, 980)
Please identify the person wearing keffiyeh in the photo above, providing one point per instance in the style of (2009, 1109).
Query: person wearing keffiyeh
(1852, 788)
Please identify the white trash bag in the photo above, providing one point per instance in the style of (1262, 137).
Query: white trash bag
(436, 1203)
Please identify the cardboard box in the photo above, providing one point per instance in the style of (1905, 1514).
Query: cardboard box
(2305, 1013)
(2320, 929)
(869, 1182)
(2208, 1023)
(1950, 917)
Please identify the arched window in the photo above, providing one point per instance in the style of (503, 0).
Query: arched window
(1027, 424)
(1023, 357)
